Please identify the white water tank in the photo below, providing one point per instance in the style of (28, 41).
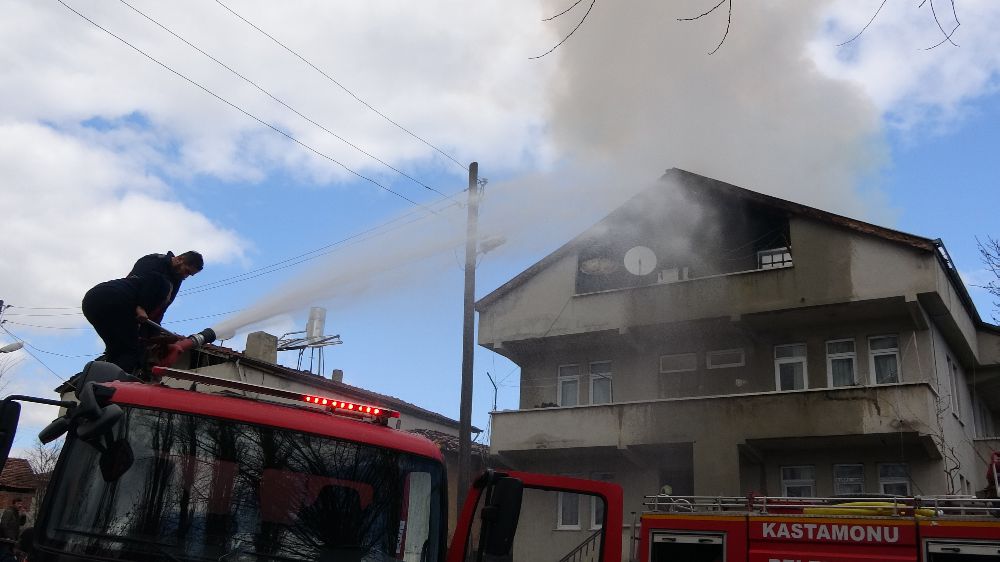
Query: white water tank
(316, 323)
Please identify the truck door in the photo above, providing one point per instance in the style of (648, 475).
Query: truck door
(560, 518)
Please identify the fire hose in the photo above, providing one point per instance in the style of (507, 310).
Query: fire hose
(182, 343)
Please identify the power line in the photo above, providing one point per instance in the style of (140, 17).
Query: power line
(33, 356)
(252, 274)
(342, 87)
(273, 97)
(308, 256)
(240, 109)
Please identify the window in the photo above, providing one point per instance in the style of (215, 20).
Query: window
(774, 258)
(798, 481)
(723, 358)
(597, 504)
(841, 363)
(569, 385)
(790, 367)
(848, 479)
(601, 389)
(956, 405)
(568, 516)
(884, 364)
(678, 363)
(894, 479)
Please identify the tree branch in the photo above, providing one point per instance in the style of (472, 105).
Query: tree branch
(729, 21)
(591, 7)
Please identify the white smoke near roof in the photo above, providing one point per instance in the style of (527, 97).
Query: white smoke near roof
(637, 92)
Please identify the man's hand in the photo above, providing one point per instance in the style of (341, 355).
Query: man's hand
(140, 314)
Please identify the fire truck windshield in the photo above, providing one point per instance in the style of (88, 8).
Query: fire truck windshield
(208, 489)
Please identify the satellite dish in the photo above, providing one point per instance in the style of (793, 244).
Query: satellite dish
(640, 260)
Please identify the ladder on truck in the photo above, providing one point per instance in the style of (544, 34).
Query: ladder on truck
(880, 506)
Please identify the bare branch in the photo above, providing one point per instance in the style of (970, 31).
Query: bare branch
(564, 11)
(729, 22)
(591, 7)
(714, 8)
(866, 25)
(937, 20)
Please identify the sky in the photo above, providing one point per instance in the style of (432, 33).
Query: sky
(316, 153)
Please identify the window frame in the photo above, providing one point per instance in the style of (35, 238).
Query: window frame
(859, 465)
(610, 378)
(669, 371)
(604, 477)
(778, 362)
(872, 353)
(798, 481)
(882, 481)
(560, 497)
(784, 253)
(853, 356)
(956, 401)
(717, 352)
(560, 378)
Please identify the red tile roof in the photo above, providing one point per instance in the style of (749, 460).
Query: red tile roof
(17, 473)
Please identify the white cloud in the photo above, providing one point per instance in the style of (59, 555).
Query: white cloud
(891, 64)
(74, 210)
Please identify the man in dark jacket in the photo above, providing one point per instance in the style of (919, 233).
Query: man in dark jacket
(117, 308)
(174, 268)
(10, 529)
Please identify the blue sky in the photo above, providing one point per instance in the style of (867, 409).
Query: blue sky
(107, 156)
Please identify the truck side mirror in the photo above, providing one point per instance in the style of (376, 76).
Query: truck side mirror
(98, 372)
(500, 515)
(10, 412)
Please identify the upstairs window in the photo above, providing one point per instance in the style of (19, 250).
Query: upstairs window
(894, 479)
(798, 481)
(774, 258)
(841, 363)
(884, 362)
(568, 393)
(849, 480)
(790, 367)
(601, 389)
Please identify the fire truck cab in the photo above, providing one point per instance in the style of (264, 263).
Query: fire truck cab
(224, 470)
(783, 529)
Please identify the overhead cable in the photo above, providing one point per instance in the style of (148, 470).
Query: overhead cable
(289, 136)
(341, 86)
(273, 97)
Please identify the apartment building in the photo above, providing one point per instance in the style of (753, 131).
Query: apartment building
(716, 340)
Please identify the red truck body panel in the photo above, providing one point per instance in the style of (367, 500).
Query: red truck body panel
(305, 419)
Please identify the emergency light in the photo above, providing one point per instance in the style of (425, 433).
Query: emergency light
(365, 412)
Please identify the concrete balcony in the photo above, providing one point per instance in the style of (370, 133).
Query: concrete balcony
(718, 426)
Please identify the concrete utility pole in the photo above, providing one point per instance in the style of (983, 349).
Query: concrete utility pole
(468, 329)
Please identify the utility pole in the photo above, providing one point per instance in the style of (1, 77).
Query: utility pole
(468, 329)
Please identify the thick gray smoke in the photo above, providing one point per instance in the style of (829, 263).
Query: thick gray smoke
(636, 92)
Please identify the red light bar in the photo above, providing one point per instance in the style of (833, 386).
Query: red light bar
(350, 407)
(361, 411)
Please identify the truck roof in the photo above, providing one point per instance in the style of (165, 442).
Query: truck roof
(305, 419)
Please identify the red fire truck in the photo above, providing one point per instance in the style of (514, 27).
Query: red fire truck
(222, 471)
(763, 529)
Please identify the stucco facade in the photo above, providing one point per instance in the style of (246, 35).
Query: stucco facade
(762, 346)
